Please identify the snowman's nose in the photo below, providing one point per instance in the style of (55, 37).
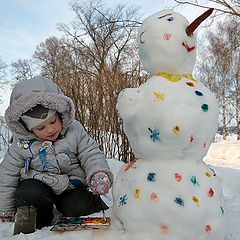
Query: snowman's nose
(191, 28)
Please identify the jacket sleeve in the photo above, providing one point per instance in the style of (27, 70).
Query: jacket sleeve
(9, 178)
(91, 158)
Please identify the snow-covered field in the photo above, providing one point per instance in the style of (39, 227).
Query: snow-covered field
(224, 156)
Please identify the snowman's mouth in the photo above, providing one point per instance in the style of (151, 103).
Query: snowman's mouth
(189, 49)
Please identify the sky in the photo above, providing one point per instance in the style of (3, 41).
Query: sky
(26, 23)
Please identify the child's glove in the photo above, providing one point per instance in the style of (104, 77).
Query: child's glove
(100, 183)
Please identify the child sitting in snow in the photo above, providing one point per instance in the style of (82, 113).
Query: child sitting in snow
(52, 160)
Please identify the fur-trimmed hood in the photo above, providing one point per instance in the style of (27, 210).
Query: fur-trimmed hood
(29, 93)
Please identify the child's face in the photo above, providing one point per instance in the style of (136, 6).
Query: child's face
(50, 129)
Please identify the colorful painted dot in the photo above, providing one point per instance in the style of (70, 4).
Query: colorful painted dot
(190, 84)
(178, 177)
(164, 229)
(130, 99)
(137, 193)
(154, 135)
(154, 197)
(129, 165)
(208, 174)
(123, 200)
(208, 228)
(195, 200)
(179, 201)
(191, 138)
(151, 177)
(198, 93)
(176, 130)
(194, 181)
(214, 174)
(158, 96)
(210, 192)
(204, 107)
(222, 210)
(204, 145)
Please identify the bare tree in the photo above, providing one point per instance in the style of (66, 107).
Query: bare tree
(22, 69)
(3, 66)
(218, 67)
(231, 7)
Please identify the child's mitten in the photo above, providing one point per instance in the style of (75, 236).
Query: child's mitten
(100, 183)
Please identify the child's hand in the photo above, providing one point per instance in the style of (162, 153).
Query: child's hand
(100, 183)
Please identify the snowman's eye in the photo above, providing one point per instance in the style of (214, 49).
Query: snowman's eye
(170, 19)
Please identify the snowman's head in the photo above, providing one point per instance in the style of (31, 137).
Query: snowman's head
(166, 44)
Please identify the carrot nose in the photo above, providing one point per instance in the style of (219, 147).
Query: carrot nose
(192, 27)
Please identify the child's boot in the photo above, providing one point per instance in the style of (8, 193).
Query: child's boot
(25, 220)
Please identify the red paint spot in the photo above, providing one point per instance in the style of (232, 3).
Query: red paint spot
(204, 145)
(129, 165)
(154, 197)
(164, 229)
(190, 84)
(189, 49)
(191, 138)
(167, 36)
(210, 192)
(208, 228)
(178, 177)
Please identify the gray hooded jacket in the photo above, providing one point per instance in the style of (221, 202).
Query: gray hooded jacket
(69, 161)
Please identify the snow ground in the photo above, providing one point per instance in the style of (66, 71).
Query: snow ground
(225, 158)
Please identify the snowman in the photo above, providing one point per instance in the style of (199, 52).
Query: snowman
(168, 192)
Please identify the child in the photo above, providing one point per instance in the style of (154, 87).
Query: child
(52, 160)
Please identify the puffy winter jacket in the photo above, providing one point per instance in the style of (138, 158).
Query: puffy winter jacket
(69, 161)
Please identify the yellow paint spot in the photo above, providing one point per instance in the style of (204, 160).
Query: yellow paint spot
(138, 91)
(195, 200)
(208, 174)
(176, 130)
(158, 96)
(130, 99)
(137, 193)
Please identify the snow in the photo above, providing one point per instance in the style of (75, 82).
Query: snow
(225, 158)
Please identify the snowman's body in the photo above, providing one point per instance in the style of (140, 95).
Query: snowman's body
(170, 122)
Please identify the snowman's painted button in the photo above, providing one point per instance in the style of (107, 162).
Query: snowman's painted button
(210, 192)
(208, 229)
(198, 93)
(179, 201)
(190, 84)
(204, 107)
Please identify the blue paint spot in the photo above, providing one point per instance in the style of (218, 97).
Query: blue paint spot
(199, 93)
(222, 210)
(214, 174)
(170, 19)
(151, 177)
(204, 107)
(179, 201)
(194, 181)
(154, 135)
(123, 200)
